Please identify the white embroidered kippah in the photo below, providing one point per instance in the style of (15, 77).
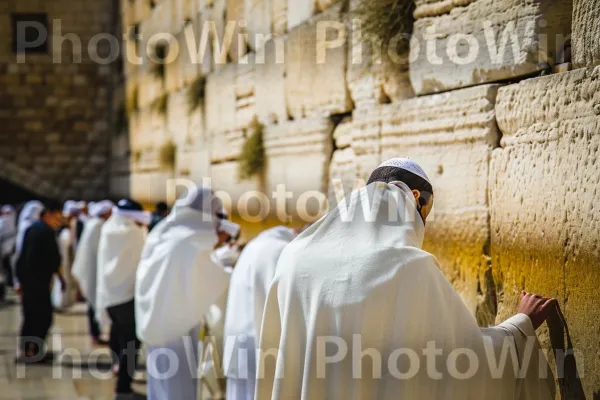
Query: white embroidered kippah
(407, 165)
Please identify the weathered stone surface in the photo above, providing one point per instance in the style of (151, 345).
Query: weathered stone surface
(314, 89)
(299, 11)
(193, 162)
(235, 18)
(290, 147)
(150, 187)
(544, 190)
(447, 59)
(221, 100)
(366, 140)
(245, 83)
(224, 177)
(451, 136)
(342, 169)
(585, 38)
(178, 116)
(258, 16)
(269, 91)
(280, 18)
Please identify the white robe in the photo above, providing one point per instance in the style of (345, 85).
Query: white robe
(85, 265)
(119, 252)
(65, 299)
(176, 283)
(359, 279)
(8, 232)
(250, 282)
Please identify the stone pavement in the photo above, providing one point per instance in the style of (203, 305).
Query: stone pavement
(80, 371)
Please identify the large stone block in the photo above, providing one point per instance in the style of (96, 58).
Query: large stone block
(463, 44)
(316, 89)
(221, 99)
(178, 118)
(235, 19)
(290, 147)
(270, 100)
(258, 17)
(451, 136)
(225, 178)
(585, 38)
(366, 139)
(245, 84)
(299, 11)
(544, 194)
(150, 187)
(280, 19)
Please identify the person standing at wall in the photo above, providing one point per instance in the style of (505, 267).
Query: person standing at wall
(177, 281)
(38, 262)
(250, 282)
(29, 214)
(8, 237)
(85, 265)
(121, 242)
(161, 211)
(62, 300)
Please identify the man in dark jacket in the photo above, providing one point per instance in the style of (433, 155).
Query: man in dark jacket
(38, 262)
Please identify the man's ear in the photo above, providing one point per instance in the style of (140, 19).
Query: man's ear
(417, 194)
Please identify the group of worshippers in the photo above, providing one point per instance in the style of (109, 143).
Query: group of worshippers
(298, 302)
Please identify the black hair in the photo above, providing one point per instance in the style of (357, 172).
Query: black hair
(51, 206)
(414, 182)
(161, 207)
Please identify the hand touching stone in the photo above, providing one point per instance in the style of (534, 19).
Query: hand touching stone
(536, 307)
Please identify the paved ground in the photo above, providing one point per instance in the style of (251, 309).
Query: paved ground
(79, 372)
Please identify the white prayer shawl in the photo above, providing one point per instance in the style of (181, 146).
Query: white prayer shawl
(85, 265)
(250, 282)
(63, 300)
(8, 231)
(30, 213)
(177, 280)
(367, 282)
(119, 252)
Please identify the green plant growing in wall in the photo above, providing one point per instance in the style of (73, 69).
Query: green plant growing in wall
(252, 157)
(137, 156)
(167, 154)
(158, 66)
(385, 19)
(196, 93)
(160, 105)
(132, 105)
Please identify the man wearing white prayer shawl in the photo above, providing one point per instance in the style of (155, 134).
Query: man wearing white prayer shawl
(358, 311)
(63, 298)
(85, 265)
(121, 242)
(29, 214)
(250, 282)
(176, 283)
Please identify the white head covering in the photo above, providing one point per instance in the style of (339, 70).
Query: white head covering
(358, 274)
(100, 208)
(177, 280)
(143, 217)
(407, 165)
(230, 228)
(30, 213)
(70, 208)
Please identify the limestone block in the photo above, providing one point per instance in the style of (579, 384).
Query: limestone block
(342, 174)
(585, 38)
(224, 178)
(324, 4)
(197, 131)
(343, 133)
(150, 187)
(462, 45)
(451, 135)
(258, 18)
(221, 100)
(235, 18)
(299, 11)
(245, 83)
(193, 162)
(291, 146)
(279, 10)
(366, 140)
(269, 90)
(178, 116)
(544, 194)
(189, 67)
(226, 146)
(315, 89)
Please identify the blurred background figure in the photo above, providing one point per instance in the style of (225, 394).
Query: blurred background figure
(38, 262)
(63, 298)
(8, 237)
(29, 214)
(85, 265)
(160, 212)
(122, 239)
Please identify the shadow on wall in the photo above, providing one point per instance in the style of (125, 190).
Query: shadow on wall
(568, 377)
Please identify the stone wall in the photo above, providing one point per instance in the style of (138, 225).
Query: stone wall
(55, 108)
(509, 137)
